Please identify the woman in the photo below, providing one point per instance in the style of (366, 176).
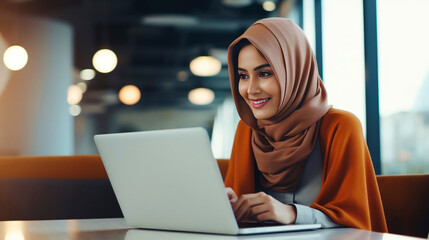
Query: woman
(295, 159)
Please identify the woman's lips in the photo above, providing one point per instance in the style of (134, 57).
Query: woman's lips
(258, 103)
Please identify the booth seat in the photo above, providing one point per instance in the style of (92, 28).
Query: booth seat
(75, 187)
(55, 187)
(406, 203)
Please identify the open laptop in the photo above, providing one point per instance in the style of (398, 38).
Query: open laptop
(169, 180)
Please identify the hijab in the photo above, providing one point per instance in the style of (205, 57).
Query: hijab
(282, 143)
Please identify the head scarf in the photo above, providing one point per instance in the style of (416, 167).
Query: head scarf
(282, 143)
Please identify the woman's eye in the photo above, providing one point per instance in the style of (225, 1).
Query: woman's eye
(242, 76)
(265, 74)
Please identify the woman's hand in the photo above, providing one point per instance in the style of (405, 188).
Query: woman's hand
(231, 195)
(262, 207)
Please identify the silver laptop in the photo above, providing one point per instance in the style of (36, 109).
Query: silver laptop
(169, 180)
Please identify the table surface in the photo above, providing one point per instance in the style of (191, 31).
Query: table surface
(116, 228)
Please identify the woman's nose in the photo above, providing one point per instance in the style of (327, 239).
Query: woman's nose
(253, 86)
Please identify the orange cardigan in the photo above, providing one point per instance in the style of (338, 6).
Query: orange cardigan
(349, 194)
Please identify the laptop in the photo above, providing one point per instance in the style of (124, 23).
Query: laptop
(169, 180)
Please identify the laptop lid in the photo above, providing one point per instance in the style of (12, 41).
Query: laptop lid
(169, 180)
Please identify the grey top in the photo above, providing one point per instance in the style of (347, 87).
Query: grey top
(306, 193)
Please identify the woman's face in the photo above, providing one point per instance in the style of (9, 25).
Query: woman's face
(257, 83)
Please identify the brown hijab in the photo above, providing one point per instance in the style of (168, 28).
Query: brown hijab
(282, 144)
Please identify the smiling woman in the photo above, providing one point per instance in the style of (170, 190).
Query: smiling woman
(294, 158)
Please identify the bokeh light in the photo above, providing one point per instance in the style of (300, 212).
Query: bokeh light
(87, 74)
(14, 235)
(104, 60)
(74, 95)
(205, 66)
(269, 6)
(82, 86)
(15, 57)
(75, 110)
(129, 95)
(182, 76)
(201, 96)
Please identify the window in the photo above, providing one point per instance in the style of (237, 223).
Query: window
(343, 55)
(403, 48)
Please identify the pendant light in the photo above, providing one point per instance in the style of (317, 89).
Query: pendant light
(15, 57)
(129, 95)
(205, 66)
(201, 96)
(104, 60)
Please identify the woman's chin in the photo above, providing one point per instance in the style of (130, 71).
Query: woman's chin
(261, 115)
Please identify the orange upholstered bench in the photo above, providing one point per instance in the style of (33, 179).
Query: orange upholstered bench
(406, 203)
(63, 167)
(55, 187)
(59, 167)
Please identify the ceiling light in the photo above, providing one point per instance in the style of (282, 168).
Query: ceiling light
(201, 96)
(129, 95)
(15, 57)
(104, 60)
(87, 74)
(74, 95)
(269, 6)
(82, 86)
(182, 76)
(75, 110)
(205, 66)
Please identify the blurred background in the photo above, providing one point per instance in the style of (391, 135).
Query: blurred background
(71, 69)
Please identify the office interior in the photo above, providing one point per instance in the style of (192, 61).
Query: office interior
(50, 107)
(57, 91)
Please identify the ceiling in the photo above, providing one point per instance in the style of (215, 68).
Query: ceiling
(153, 39)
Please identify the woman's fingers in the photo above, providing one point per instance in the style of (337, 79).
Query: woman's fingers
(231, 195)
(259, 209)
(243, 206)
(262, 207)
(265, 216)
